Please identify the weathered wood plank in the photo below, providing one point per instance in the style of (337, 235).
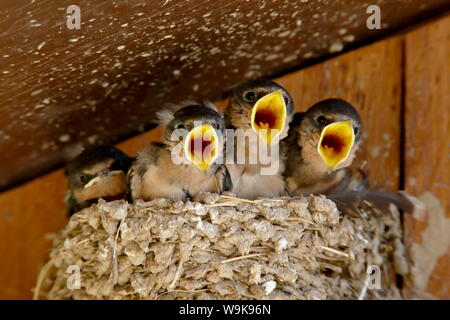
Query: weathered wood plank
(427, 143)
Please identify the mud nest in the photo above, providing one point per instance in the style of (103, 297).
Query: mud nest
(221, 247)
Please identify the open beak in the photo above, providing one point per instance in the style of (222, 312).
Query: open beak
(336, 142)
(269, 116)
(201, 146)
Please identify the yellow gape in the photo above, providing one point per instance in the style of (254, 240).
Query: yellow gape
(336, 142)
(201, 146)
(269, 116)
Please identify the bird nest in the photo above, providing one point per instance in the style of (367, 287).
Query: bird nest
(222, 247)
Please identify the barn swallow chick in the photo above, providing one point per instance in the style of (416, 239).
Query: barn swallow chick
(321, 143)
(319, 151)
(99, 172)
(261, 110)
(178, 169)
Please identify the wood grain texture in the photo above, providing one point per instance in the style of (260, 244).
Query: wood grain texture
(63, 88)
(27, 215)
(427, 123)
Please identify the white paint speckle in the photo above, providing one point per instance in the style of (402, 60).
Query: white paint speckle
(290, 58)
(336, 47)
(36, 92)
(284, 34)
(342, 31)
(121, 47)
(41, 45)
(214, 50)
(375, 151)
(64, 138)
(272, 56)
(412, 181)
(349, 38)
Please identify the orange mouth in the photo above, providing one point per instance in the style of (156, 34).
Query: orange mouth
(198, 146)
(265, 119)
(336, 142)
(269, 116)
(201, 146)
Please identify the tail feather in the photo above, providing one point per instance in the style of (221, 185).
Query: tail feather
(380, 199)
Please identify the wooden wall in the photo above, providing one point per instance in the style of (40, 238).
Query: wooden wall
(400, 86)
(427, 134)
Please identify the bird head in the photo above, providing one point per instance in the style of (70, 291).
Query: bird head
(263, 106)
(98, 172)
(202, 129)
(335, 129)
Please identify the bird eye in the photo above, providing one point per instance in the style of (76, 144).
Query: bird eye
(322, 120)
(84, 178)
(250, 96)
(355, 130)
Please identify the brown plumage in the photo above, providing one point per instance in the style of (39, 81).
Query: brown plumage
(155, 174)
(306, 171)
(99, 172)
(249, 179)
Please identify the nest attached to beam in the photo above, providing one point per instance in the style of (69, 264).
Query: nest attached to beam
(222, 247)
